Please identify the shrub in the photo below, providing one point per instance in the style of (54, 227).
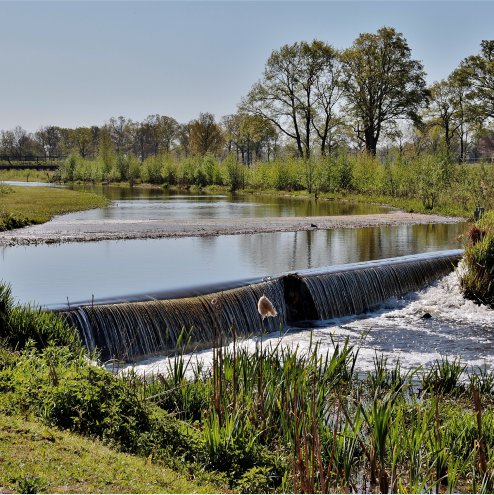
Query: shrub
(477, 279)
(20, 324)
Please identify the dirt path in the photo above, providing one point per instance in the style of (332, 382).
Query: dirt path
(99, 230)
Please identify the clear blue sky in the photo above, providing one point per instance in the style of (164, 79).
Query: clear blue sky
(79, 63)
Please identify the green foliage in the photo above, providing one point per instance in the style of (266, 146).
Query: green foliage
(477, 277)
(421, 183)
(444, 377)
(9, 221)
(382, 82)
(31, 484)
(21, 324)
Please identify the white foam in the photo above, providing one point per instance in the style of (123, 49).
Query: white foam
(458, 327)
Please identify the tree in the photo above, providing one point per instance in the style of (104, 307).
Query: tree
(8, 143)
(444, 110)
(382, 83)
(248, 133)
(206, 135)
(83, 140)
(120, 133)
(183, 136)
(478, 70)
(49, 138)
(299, 93)
(163, 131)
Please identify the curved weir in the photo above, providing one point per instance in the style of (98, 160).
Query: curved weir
(358, 288)
(130, 330)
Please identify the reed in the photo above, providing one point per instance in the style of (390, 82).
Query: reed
(425, 183)
(318, 428)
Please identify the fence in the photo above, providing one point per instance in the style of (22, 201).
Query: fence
(36, 159)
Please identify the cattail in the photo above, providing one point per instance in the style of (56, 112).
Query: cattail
(265, 307)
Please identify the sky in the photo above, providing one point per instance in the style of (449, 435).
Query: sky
(76, 63)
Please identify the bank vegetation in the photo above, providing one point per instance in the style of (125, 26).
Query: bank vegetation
(278, 419)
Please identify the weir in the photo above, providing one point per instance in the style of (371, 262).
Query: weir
(131, 330)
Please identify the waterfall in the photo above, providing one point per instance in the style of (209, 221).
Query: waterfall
(360, 287)
(130, 330)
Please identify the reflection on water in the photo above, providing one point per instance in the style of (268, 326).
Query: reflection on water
(48, 274)
(155, 203)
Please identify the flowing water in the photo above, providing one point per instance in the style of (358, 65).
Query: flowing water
(396, 330)
(132, 270)
(129, 330)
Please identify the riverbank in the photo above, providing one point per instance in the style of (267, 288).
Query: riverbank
(277, 419)
(23, 206)
(42, 459)
(62, 231)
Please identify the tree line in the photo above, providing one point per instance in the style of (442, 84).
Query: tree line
(312, 99)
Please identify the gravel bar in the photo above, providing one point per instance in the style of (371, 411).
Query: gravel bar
(61, 231)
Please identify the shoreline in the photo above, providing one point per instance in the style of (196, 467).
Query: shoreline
(63, 231)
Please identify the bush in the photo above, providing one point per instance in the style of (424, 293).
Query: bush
(9, 221)
(477, 279)
(20, 324)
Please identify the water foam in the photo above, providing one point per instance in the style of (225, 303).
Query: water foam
(396, 329)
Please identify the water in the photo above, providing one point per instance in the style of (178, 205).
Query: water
(138, 329)
(48, 274)
(396, 330)
(162, 204)
(155, 203)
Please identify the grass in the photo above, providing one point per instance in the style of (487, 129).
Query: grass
(20, 206)
(296, 421)
(36, 458)
(27, 175)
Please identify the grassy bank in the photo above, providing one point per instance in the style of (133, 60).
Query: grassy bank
(279, 419)
(37, 458)
(27, 175)
(21, 206)
(477, 277)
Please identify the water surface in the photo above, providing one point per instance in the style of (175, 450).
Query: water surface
(48, 274)
(141, 203)
(156, 203)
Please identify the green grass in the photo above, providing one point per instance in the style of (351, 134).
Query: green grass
(20, 206)
(40, 458)
(275, 420)
(28, 175)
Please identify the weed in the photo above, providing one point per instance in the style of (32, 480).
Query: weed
(31, 484)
